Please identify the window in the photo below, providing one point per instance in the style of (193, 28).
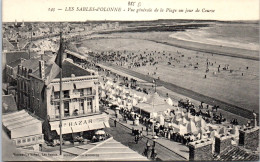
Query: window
(81, 91)
(24, 140)
(56, 95)
(89, 91)
(33, 139)
(39, 137)
(19, 141)
(66, 94)
(89, 103)
(28, 139)
(66, 108)
(57, 109)
(81, 106)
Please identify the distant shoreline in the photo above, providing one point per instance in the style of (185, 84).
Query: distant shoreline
(210, 41)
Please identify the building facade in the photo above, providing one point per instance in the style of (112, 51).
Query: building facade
(80, 101)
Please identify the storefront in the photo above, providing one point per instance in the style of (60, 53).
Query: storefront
(83, 124)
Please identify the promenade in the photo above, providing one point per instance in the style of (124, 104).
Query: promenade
(180, 150)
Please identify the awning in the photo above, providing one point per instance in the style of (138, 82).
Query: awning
(106, 124)
(81, 85)
(82, 124)
(65, 86)
(21, 124)
(97, 126)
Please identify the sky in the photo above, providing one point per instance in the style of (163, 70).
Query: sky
(41, 10)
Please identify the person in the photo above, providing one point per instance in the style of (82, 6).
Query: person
(147, 130)
(40, 147)
(94, 139)
(154, 154)
(136, 139)
(141, 134)
(115, 122)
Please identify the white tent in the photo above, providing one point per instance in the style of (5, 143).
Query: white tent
(103, 94)
(135, 102)
(235, 131)
(201, 123)
(169, 101)
(135, 96)
(160, 118)
(192, 127)
(197, 118)
(183, 129)
(185, 121)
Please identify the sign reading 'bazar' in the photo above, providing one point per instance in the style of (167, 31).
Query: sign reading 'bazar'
(78, 122)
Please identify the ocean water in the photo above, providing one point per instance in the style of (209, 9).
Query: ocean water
(245, 36)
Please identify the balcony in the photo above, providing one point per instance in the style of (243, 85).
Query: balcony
(67, 116)
(76, 95)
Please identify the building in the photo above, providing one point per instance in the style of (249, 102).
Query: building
(11, 71)
(80, 102)
(24, 129)
(9, 57)
(23, 80)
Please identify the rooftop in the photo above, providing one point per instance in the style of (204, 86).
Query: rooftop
(235, 153)
(15, 62)
(8, 104)
(33, 63)
(7, 45)
(110, 149)
(69, 68)
(12, 56)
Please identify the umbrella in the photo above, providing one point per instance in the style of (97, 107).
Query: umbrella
(100, 132)
(155, 137)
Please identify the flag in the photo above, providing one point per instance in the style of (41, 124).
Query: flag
(57, 66)
(59, 56)
(55, 70)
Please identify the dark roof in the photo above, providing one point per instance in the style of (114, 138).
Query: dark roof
(47, 71)
(33, 63)
(235, 153)
(12, 56)
(15, 63)
(22, 43)
(8, 104)
(69, 68)
(7, 45)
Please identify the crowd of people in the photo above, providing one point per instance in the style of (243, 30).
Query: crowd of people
(137, 59)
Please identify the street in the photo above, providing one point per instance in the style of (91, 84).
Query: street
(123, 135)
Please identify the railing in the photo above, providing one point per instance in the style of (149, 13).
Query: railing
(73, 96)
(68, 116)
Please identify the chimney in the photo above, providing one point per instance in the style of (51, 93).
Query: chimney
(19, 70)
(41, 69)
(200, 150)
(249, 138)
(221, 142)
